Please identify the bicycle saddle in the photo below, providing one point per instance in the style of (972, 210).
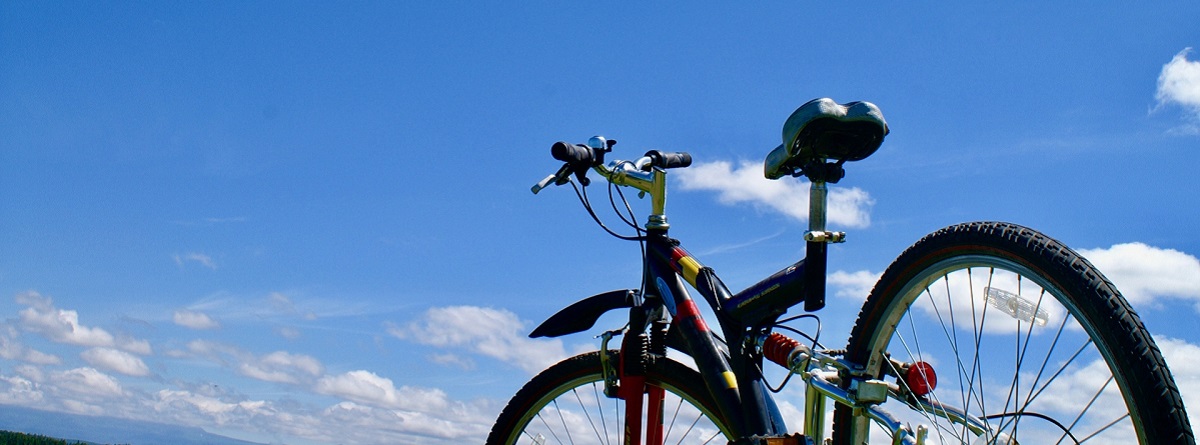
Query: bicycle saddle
(823, 129)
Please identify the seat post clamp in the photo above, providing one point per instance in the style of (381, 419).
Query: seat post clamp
(825, 237)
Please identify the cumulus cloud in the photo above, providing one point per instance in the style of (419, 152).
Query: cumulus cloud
(370, 389)
(58, 325)
(19, 391)
(12, 349)
(854, 285)
(134, 345)
(1179, 83)
(62, 326)
(181, 403)
(276, 367)
(281, 367)
(117, 361)
(1145, 274)
(412, 415)
(86, 382)
(194, 320)
(491, 332)
(373, 409)
(463, 423)
(1182, 358)
(744, 183)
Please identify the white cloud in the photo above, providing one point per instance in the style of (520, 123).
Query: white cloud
(276, 367)
(1145, 273)
(288, 332)
(360, 386)
(854, 285)
(491, 332)
(373, 410)
(19, 391)
(134, 345)
(32, 373)
(86, 382)
(216, 352)
(368, 388)
(282, 304)
(58, 325)
(450, 359)
(462, 423)
(40, 358)
(62, 326)
(207, 404)
(194, 320)
(192, 408)
(195, 257)
(1184, 360)
(12, 349)
(848, 207)
(1179, 83)
(117, 361)
(282, 367)
(414, 415)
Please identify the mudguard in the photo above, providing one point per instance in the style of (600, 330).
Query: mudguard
(582, 315)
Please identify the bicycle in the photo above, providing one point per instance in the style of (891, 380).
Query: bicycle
(979, 333)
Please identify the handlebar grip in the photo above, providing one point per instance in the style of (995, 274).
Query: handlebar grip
(572, 153)
(667, 160)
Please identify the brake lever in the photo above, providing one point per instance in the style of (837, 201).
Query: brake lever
(559, 178)
(543, 184)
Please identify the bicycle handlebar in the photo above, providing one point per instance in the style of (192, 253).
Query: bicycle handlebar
(578, 158)
(576, 154)
(668, 159)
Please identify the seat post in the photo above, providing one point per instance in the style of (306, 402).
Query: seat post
(818, 195)
(818, 238)
(815, 259)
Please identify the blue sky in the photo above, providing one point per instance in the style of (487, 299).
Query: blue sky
(311, 223)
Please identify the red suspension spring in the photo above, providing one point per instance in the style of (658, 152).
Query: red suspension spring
(778, 348)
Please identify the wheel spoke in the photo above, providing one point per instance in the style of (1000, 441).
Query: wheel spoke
(672, 424)
(600, 409)
(1084, 410)
(1101, 430)
(1061, 369)
(566, 429)
(1018, 375)
(558, 408)
(586, 414)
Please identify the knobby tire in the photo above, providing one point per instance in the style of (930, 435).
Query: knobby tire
(574, 388)
(1072, 328)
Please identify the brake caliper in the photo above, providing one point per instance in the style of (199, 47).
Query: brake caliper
(611, 377)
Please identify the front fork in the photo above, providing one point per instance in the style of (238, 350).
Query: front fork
(626, 380)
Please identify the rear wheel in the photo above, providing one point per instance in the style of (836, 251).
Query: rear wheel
(1025, 336)
(566, 404)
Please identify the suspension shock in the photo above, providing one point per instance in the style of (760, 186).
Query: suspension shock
(785, 351)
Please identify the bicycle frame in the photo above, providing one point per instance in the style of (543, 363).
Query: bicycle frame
(732, 373)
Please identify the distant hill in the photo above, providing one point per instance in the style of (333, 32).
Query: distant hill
(108, 430)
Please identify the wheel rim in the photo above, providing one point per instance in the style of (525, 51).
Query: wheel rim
(1038, 367)
(578, 412)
